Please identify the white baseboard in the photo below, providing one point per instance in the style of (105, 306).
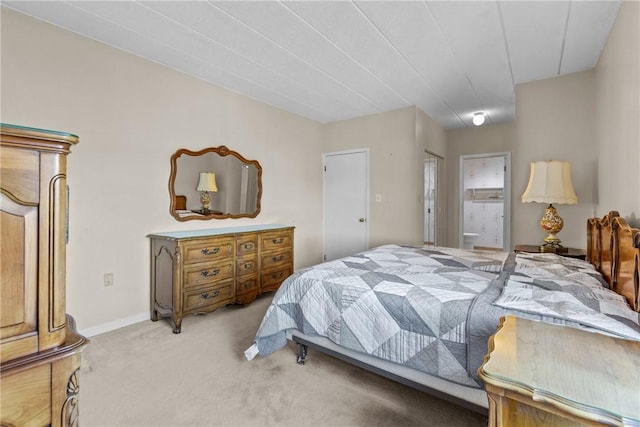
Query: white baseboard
(113, 325)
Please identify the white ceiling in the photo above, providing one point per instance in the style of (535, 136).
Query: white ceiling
(336, 60)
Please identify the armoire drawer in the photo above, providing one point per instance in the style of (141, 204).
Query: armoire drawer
(15, 409)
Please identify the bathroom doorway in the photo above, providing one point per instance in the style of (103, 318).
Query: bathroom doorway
(432, 172)
(485, 203)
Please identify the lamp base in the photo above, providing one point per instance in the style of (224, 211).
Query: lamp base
(551, 223)
(205, 199)
(555, 248)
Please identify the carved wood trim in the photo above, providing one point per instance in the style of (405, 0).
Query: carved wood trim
(70, 416)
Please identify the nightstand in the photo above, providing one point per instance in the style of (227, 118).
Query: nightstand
(550, 375)
(569, 252)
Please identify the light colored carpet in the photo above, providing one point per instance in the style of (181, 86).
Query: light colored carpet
(144, 375)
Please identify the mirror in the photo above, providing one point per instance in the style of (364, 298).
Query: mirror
(234, 184)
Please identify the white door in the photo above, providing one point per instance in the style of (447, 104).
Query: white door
(346, 203)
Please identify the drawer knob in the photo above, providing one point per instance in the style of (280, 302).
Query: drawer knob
(208, 295)
(247, 265)
(277, 275)
(206, 251)
(277, 241)
(248, 246)
(207, 273)
(277, 258)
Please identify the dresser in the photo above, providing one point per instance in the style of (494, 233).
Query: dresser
(538, 374)
(200, 271)
(39, 346)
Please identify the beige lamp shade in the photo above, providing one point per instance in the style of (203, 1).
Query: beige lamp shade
(207, 182)
(550, 182)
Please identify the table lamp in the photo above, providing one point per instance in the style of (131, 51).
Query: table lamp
(206, 183)
(550, 182)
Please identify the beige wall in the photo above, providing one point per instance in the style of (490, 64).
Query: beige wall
(591, 119)
(395, 139)
(131, 115)
(390, 138)
(617, 94)
(555, 121)
(462, 142)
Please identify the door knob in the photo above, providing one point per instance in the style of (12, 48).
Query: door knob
(362, 220)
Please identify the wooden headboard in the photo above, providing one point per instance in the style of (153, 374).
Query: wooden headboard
(613, 247)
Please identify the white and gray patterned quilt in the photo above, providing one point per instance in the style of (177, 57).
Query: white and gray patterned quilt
(567, 289)
(430, 309)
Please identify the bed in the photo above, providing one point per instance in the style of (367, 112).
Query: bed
(423, 315)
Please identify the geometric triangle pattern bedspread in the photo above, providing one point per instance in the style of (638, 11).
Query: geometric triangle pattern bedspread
(568, 289)
(407, 305)
(433, 309)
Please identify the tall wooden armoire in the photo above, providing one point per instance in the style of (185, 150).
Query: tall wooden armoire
(39, 346)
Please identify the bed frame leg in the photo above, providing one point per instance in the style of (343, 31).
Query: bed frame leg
(302, 353)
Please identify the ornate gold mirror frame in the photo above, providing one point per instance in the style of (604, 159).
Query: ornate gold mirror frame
(222, 179)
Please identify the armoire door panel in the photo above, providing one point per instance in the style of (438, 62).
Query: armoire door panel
(18, 269)
(19, 174)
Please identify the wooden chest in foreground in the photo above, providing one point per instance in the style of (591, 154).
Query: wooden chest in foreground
(539, 374)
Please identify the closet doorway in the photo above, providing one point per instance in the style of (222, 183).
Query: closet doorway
(485, 203)
(432, 173)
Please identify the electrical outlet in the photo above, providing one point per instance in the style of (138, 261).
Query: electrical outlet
(108, 279)
(378, 198)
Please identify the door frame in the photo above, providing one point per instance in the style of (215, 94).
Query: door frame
(506, 220)
(439, 224)
(324, 196)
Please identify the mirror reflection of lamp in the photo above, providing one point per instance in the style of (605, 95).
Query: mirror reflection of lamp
(550, 182)
(206, 184)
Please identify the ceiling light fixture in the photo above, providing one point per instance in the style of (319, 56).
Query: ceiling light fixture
(478, 118)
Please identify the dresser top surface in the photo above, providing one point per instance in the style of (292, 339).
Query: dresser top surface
(189, 234)
(583, 370)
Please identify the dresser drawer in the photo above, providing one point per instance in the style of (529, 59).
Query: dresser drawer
(247, 244)
(201, 274)
(247, 266)
(209, 297)
(208, 250)
(276, 241)
(247, 284)
(277, 259)
(271, 280)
